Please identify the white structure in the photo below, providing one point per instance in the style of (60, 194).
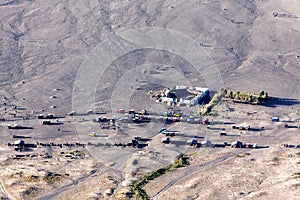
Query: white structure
(181, 95)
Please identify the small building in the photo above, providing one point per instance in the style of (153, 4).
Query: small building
(192, 142)
(275, 119)
(89, 112)
(41, 116)
(15, 126)
(237, 144)
(48, 122)
(131, 111)
(121, 111)
(206, 143)
(166, 140)
(72, 113)
(19, 145)
(50, 116)
(223, 134)
(92, 134)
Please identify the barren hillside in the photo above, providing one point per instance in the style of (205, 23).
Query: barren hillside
(44, 43)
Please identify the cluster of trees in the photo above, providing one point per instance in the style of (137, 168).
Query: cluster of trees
(260, 98)
(246, 97)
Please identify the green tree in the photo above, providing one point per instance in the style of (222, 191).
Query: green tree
(237, 95)
(261, 94)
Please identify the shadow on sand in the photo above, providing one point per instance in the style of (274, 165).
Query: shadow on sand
(276, 101)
